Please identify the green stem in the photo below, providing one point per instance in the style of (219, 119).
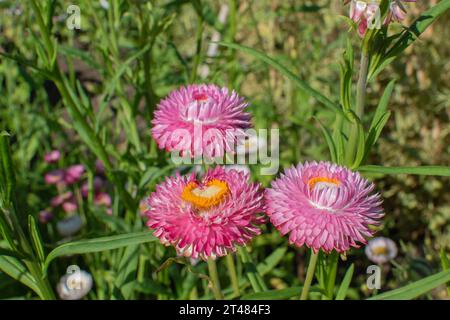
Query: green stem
(46, 291)
(198, 36)
(359, 108)
(214, 276)
(233, 275)
(309, 275)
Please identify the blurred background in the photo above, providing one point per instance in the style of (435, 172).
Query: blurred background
(127, 55)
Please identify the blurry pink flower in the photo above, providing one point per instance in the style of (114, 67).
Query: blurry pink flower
(109, 211)
(52, 156)
(364, 14)
(54, 177)
(98, 183)
(199, 119)
(73, 173)
(45, 216)
(367, 13)
(397, 11)
(70, 206)
(102, 199)
(323, 206)
(208, 217)
(61, 198)
(99, 167)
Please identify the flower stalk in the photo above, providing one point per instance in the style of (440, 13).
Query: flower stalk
(233, 275)
(214, 276)
(309, 275)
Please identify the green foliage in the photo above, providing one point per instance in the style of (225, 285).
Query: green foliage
(91, 94)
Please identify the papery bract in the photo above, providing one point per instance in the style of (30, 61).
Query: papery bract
(323, 206)
(208, 217)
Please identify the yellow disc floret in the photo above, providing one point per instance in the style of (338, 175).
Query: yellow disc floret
(204, 197)
(322, 182)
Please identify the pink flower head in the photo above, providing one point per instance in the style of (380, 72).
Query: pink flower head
(70, 206)
(364, 14)
(98, 183)
(52, 156)
(74, 173)
(99, 167)
(207, 217)
(54, 177)
(102, 199)
(45, 216)
(200, 120)
(324, 206)
(61, 198)
(397, 11)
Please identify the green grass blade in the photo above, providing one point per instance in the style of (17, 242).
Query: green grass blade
(282, 294)
(410, 35)
(99, 244)
(422, 170)
(16, 270)
(331, 145)
(415, 289)
(36, 239)
(383, 104)
(271, 261)
(345, 284)
(445, 265)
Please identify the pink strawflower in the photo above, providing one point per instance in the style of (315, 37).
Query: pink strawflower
(323, 206)
(198, 120)
(98, 183)
(397, 11)
(102, 199)
(61, 198)
(364, 13)
(99, 167)
(52, 156)
(54, 177)
(45, 216)
(74, 173)
(70, 206)
(208, 217)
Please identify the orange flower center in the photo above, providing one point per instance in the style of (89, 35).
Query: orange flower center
(323, 182)
(204, 197)
(378, 251)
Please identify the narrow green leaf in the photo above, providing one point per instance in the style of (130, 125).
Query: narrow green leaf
(126, 273)
(410, 35)
(36, 238)
(251, 271)
(375, 132)
(282, 294)
(329, 140)
(16, 270)
(342, 292)
(11, 253)
(332, 265)
(80, 54)
(271, 261)
(445, 265)
(99, 244)
(283, 70)
(423, 170)
(383, 104)
(361, 151)
(415, 289)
